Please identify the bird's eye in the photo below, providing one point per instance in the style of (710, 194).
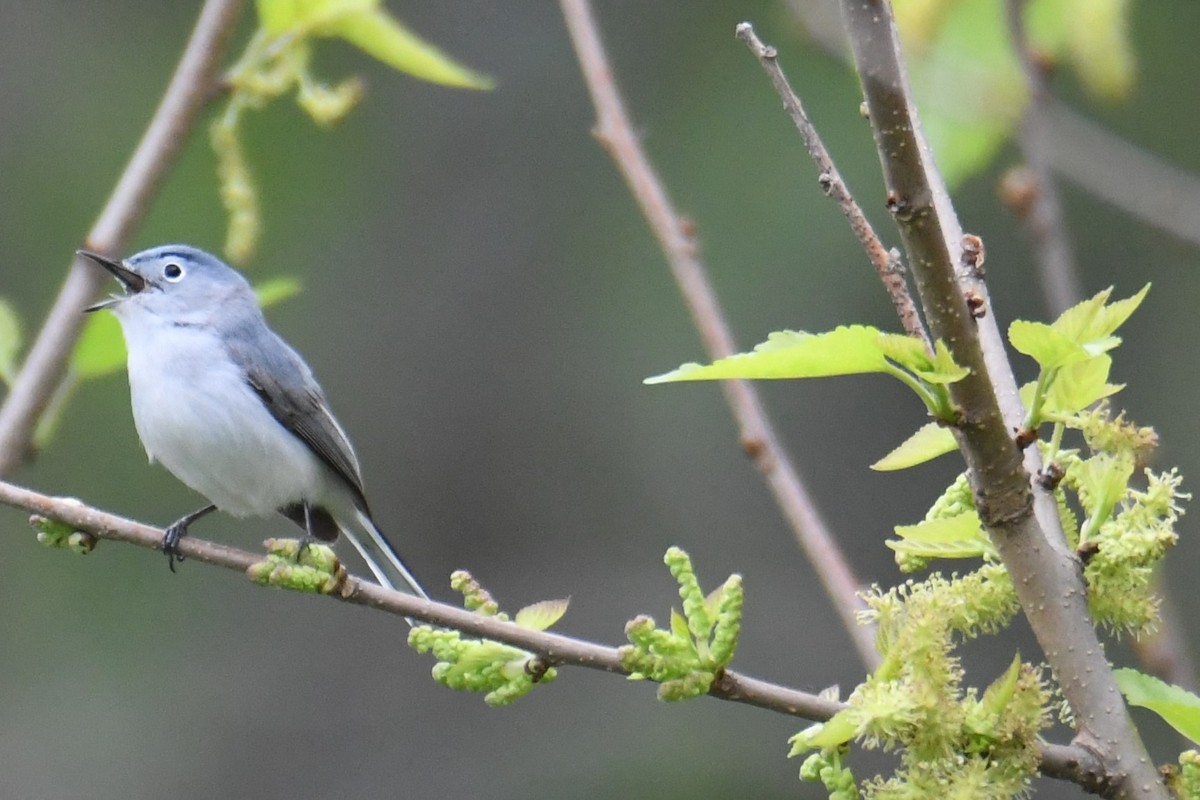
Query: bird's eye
(173, 272)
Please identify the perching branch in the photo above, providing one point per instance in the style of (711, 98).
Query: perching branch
(886, 265)
(1058, 761)
(193, 83)
(553, 648)
(677, 239)
(1021, 521)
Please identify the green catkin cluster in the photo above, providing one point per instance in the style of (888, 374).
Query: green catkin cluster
(503, 672)
(301, 567)
(701, 642)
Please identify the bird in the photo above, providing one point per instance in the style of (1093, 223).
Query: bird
(231, 410)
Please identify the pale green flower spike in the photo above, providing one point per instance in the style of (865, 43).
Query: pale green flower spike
(504, 672)
(303, 568)
(686, 659)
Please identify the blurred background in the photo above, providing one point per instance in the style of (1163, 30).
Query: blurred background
(481, 302)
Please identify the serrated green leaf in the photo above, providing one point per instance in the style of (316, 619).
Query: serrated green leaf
(380, 35)
(1050, 348)
(276, 290)
(540, 616)
(1178, 707)
(1076, 386)
(960, 536)
(930, 441)
(851, 350)
(963, 549)
(1091, 323)
(10, 341)
(910, 353)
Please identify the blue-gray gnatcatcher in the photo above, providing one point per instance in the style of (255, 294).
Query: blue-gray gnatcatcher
(233, 411)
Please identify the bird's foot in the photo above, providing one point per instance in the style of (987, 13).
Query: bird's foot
(170, 542)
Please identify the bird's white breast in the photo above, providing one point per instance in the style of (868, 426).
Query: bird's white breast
(196, 415)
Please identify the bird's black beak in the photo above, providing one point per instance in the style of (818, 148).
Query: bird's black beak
(130, 280)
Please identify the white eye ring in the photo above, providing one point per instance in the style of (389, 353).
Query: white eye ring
(173, 272)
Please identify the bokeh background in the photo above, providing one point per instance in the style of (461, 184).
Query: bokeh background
(481, 302)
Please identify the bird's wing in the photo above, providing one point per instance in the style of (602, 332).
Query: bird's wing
(291, 394)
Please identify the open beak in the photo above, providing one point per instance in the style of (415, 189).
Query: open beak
(130, 280)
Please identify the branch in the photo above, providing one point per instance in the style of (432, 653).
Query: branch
(1060, 761)
(677, 239)
(552, 647)
(190, 88)
(886, 265)
(1022, 523)
(1044, 215)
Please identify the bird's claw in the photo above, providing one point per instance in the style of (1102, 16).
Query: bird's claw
(170, 544)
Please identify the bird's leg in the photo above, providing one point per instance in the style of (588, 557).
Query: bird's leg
(309, 537)
(176, 531)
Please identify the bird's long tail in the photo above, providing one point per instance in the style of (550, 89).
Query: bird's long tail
(389, 569)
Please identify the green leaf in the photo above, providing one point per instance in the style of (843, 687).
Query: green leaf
(368, 26)
(930, 441)
(852, 350)
(960, 536)
(281, 16)
(540, 616)
(1076, 386)
(10, 341)
(910, 353)
(380, 35)
(1045, 345)
(1178, 707)
(1102, 480)
(836, 731)
(1091, 324)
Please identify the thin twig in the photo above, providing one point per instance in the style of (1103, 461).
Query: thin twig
(1044, 214)
(1164, 652)
(677, 239)
(1157, 192)
(830, 179)
(1059, 761)
(1046, 574)
(191, 86)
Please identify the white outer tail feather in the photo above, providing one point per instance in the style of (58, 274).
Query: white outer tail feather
(382, 559)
